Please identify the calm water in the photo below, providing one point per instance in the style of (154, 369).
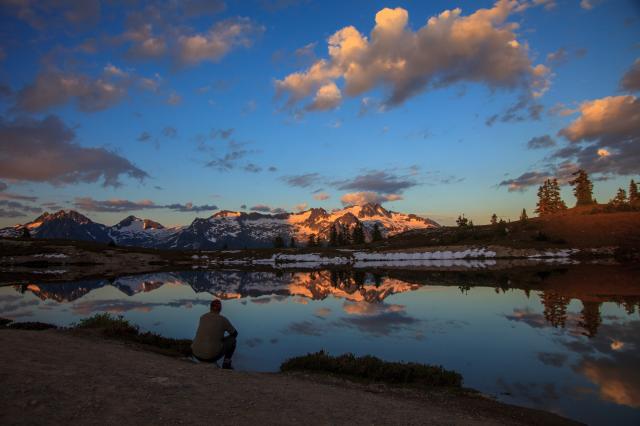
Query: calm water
(566, 341)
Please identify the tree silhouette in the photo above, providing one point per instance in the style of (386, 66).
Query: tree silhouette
(278, 242)
(555, 308)
(590, 318)
(523, 215)
(357, 237)
(462, 221)
(333, 236)
(26, 233)
(634, 199)
(377, 235)
(292, 242)
(582, 188)
(619, 202)
(494, 219)
(549, 200)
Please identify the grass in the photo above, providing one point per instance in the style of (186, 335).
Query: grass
(118, 328)
(372, 369)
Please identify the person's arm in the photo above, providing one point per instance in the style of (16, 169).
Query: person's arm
(230, 329)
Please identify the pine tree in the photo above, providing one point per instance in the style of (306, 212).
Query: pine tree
(494, 219)
(333, 236)
(462, 221)
(377, 235)
(557, 205)
(582, 188)
(619, 202)
(292, 242)
(549, 199)
(357, 237)
(634, 198)
(523, 215)
(542, 206)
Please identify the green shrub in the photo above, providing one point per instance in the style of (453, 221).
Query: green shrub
(370, 368)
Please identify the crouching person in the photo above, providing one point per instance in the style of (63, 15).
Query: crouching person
(211, 343)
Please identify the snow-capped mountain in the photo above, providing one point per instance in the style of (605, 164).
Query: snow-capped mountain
(67, 225)
(136, 232)
(228, 229)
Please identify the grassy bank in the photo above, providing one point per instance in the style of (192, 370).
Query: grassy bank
(371, 369)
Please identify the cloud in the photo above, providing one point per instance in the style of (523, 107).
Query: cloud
(252, 168)
(221, 133)
(586, 4)
(11, 196)
(144, 137)
(611, 124)
(631, 79)
(321, 196)
(558, 57)
(229, 160)
(448, 49)
(604, 140)
(42, 15)
(301, 207)
(217, 42)
(302, 181)
(169, 132)
(361, 198)
(272, 169)
(539, 142)
(119, 205)
(45, 151)
(54, 88)
(378, 181)
(10, 209)
(263, 208)
(174, 99)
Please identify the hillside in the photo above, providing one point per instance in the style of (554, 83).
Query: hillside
(573, 229)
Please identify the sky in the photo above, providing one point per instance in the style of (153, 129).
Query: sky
(172, 110)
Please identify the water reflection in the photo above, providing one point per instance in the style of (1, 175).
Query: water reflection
(565, 340)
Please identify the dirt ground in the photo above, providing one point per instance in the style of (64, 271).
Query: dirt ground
(55, 377)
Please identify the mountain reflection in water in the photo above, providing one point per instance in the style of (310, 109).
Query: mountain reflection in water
(564, 339)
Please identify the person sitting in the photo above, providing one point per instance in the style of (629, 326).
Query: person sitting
(210, 343)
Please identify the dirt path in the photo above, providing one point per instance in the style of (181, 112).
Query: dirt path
(54, 377)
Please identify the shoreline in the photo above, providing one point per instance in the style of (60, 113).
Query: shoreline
(93, 378)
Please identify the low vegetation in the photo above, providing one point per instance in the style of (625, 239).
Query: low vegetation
(372, 369)
(118, 328)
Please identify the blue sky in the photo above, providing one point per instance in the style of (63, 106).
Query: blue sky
(186, 105)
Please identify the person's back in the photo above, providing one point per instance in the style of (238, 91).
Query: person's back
(210, 343)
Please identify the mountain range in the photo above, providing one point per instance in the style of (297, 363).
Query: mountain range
(225, 229)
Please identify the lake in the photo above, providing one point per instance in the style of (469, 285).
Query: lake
(560, 338)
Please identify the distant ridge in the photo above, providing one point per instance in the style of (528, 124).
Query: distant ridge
(225, 229)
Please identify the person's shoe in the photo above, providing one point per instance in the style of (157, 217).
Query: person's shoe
(226, 364)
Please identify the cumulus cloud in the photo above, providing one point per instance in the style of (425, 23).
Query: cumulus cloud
(120, 205)
(604, 140)
(361, 198)
(538, 142)
(301, 207)
(217, 42)
(252, 168)
(45, 151)
(321, 196)
(42, 15)
(631, 79)
(449, 48)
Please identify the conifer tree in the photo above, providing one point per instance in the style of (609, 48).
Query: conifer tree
(26, 233)
(549, 199)
(555, 199)
(634, 198)
(333, 236)
(377, 235)
(523, 215)
(462, 221)
(494, 219)
(292, 242)
(619, 202)
(582, 188)
(357, 237)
